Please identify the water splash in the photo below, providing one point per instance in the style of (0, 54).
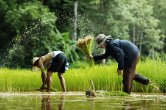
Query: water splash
(85, 25)
(157, 88)
(17, 43)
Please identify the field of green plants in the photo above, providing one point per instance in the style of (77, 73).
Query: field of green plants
(104, 78)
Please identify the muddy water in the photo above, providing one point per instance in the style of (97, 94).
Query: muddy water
(78, 101)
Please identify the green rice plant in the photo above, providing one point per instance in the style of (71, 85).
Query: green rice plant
(85, 46)
(154, 70)
(19, 80)
(103, 77)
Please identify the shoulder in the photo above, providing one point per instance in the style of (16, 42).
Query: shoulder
(113, 43)
(40, 62)
(46, 57)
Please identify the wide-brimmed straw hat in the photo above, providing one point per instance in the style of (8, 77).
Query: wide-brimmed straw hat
(35, 68)
(101, 38)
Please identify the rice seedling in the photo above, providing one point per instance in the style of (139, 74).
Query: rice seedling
(112, 93)
(104, 78)
(19, 80)
(85, 46)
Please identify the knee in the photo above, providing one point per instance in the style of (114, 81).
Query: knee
(60, 76)
(49, 74)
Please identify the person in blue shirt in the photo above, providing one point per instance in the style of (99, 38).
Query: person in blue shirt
(55, 61)
(126, 54)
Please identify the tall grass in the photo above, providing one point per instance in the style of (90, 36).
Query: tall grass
(104, 78)
(18, 80)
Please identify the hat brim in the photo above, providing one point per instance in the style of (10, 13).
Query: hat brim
(101, 43)
(34, 68)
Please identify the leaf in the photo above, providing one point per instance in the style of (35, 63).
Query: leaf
(35, 38)
(49, 49)
(75, 53)
(66, 37)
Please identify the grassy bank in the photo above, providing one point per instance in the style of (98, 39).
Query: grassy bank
(104, 78)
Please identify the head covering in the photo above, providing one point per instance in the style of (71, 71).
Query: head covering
(35, 68)
(101, 38)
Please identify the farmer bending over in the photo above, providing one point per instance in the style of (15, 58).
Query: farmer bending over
(126, 54)
(55, 61)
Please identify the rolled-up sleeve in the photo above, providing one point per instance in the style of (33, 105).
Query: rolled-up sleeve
(100, 57)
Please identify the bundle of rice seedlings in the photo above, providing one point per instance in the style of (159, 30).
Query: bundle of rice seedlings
(85, 46)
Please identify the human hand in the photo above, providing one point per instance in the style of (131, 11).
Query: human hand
(90, 56)
(119, 72)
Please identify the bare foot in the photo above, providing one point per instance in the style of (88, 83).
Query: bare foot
(42, 88)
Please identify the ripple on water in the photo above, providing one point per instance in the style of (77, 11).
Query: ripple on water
(78, 100)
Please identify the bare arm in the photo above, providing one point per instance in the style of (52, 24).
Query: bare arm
(43, 75)
(90, 56)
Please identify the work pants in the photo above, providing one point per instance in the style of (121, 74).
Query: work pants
(129, 75)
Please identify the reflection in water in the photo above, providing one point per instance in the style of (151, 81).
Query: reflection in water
(92, 104)
(128, 106)
(139, 102)
(61, 104)
(47, 104)
(70, 101)
(88, 95)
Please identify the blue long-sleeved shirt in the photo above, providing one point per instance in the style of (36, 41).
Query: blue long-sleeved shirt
(124, 52)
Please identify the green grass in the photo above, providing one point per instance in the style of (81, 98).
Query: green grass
(104, 78)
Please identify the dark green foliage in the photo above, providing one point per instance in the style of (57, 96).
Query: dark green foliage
(37, 35)
(36, 27)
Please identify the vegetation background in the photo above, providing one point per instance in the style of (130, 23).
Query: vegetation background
(31, 28)
(78, 79)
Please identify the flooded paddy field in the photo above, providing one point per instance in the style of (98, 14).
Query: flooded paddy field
(78, 101)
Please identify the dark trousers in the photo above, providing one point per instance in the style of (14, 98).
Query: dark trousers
(129, 75)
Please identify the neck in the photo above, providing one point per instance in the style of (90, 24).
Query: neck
(104, 45)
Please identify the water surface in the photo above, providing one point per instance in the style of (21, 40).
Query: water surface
(78, 101)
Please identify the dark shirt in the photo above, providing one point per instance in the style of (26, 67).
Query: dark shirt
(124, 52)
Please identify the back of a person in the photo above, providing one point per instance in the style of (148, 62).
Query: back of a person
(129, 49)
